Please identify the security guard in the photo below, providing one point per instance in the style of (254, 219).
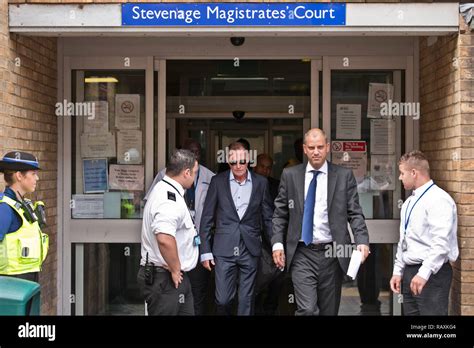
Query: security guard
(23, 246)
(170, 243)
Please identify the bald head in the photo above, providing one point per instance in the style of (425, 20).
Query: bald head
(314, 133)
(264, 165)
(316, 147)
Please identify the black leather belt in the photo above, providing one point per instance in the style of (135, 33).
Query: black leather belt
(156, 268)
(316, 246)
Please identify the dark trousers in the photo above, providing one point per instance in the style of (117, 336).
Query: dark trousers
(199, 278)
(33, 276)
(269, 284)
(317, 280)
(228, 269)
(434, 297)
(162, 298)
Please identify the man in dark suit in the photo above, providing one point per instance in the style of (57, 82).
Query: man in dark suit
(314, 204)
(238, 202)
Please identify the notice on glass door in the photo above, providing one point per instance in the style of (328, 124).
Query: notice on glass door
(127, 111)
(99, 123)
(98, 145)
(127, 177)
(352, 155)
(379, 95)
(348, 119)
(382, 137)
(129, 147)
(383, 172)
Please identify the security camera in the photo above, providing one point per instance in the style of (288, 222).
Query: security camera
(237, 41)
(238, 115)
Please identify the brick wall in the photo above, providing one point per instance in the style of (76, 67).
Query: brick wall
(446, 130)
(28, 123)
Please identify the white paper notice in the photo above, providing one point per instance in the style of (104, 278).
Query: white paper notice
(382, 137)
(127, 111)
(356, 260)
(378, 93)
(88, 206)
(126, 177)
(382, 171)
(348, 119)
(98, 145)
(99, 123)
(129, 147)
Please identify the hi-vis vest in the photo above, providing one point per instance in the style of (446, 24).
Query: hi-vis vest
(24, 250)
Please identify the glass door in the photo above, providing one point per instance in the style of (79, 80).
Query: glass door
(369, 138)
(108, 166)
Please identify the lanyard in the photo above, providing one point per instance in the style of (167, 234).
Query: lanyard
(191, 215)
(407, 219)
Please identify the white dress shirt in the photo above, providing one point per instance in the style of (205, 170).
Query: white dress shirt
(166, 212)
(321, 230)
(431, 234)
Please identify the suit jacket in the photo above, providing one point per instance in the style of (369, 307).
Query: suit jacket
(202, 185)
(343, 207)
(220, 210)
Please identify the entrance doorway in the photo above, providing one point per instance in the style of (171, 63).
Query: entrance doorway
(266, 102)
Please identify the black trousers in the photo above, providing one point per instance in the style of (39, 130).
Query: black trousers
(434, 297)
(33, 276)
(269, 284)
(317, 280)
(162, 298)
(200, 279)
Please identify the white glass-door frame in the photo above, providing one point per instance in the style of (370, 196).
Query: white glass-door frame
(76, 232)
(381, 231)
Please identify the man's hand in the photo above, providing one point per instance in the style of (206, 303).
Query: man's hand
(279, 259)
(364, 249)
(207, 264)
(417, 284)
(177, 278)
(395, 283)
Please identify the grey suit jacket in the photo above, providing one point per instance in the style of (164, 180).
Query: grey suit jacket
(343, 207)
(219, 210)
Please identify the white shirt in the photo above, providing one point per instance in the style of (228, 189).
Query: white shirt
(321, 230)
(431, 234)
(166, 212)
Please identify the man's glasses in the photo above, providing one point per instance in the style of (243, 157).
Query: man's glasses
(233, 163)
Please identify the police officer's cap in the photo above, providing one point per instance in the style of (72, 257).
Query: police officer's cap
(18, 161)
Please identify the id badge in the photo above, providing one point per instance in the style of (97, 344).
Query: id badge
(404, 244)
(197, 240)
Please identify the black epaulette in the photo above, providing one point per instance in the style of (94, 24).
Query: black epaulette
(171, 196)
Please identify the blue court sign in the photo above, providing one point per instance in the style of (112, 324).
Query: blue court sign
(234, 14)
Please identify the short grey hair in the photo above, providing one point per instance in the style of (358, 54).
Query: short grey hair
(180, 160)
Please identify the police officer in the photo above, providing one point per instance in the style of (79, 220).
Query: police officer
(169, 241)
(23, 246)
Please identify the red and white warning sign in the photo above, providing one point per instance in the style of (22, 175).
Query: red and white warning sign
(353, 146)
(351, 154)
